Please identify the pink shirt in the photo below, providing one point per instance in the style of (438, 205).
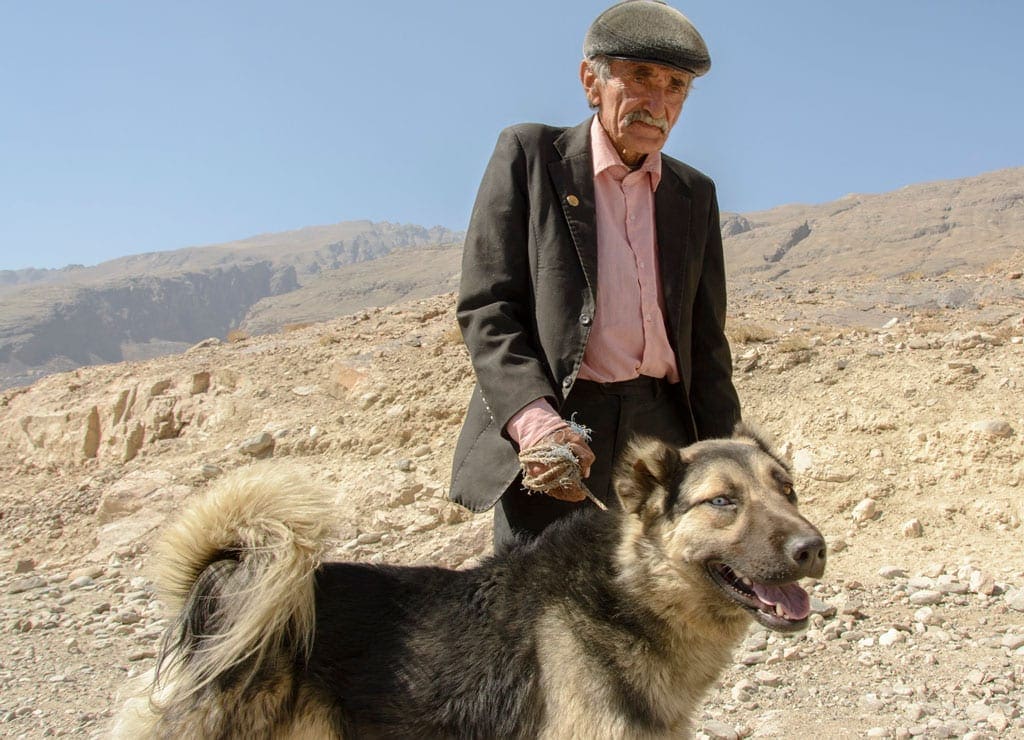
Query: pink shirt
(628, 338)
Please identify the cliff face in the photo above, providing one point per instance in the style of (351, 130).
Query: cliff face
(114, 322)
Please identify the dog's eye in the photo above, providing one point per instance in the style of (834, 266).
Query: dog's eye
(720, 502)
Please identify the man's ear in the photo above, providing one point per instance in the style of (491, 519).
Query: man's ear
(648, 477)
(590, 83)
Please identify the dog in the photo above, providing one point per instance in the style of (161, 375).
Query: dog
(611, 624)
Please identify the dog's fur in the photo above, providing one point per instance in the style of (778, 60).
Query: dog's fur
(609, 625)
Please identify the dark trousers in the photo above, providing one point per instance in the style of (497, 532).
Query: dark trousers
(615, 413)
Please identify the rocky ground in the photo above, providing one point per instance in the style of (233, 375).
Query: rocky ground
(905, 428)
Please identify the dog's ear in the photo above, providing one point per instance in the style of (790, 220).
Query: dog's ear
(648, 477)
(746, 432)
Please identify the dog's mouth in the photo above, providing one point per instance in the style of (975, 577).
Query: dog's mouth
(783, 608)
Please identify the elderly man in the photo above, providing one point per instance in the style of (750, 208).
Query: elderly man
(593, 283)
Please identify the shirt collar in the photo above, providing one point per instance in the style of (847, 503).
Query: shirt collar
(606, 159)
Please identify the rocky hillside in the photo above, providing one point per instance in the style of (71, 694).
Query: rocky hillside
(152, 304)
(849, 256)
(47, 329)
(905, 430)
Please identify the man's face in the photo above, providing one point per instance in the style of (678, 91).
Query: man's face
(638, 104)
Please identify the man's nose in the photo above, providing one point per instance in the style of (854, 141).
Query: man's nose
(656, 103)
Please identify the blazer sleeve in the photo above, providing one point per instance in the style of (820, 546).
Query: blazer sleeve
(495, 306)
(713, 398)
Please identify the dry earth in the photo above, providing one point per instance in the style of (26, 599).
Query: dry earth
(919, 623)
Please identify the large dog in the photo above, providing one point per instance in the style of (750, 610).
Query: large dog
(609, 625)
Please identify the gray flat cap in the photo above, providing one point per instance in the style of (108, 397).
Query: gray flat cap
(648, 31)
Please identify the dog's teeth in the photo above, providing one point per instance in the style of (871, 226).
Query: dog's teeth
(778, 611)
(747, 581)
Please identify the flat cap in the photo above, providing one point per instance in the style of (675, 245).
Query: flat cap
(648, 31)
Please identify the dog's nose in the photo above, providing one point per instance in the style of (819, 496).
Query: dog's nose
(809, 554)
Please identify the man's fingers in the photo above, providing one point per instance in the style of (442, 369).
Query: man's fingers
(568, 493)
(585, 455)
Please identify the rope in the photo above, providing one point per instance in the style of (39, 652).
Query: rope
(562, 467)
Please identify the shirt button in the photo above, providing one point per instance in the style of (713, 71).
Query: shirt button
(586, 320)
(566, 382)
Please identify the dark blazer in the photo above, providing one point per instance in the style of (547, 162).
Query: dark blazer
(529, 278)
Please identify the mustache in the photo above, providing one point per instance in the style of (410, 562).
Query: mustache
(644, 116)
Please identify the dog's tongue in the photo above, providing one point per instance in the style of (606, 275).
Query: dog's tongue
(794, 600)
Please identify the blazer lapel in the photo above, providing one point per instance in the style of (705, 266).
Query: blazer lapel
(672, 223)
(573, 180)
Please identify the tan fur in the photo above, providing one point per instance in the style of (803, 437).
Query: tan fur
(661, 560)
(279, 519)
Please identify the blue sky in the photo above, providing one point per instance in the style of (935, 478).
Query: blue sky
(133, 126)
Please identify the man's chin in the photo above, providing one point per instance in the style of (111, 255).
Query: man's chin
(642, 147)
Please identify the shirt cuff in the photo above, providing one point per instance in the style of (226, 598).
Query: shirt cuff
(533, 422)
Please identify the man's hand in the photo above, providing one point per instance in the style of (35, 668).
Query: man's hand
(547, 472)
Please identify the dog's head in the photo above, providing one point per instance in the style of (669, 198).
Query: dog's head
(720, 517)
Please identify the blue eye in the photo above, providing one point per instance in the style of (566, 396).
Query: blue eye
(720, 501)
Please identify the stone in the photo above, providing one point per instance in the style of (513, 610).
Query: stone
(743, 689)
(912, 528)
(926, 597)
(200, 383)
(913, 712)
(716, 730)
(1012, 641)
(27, 584)
(992, 428)
(25, 565)
(891, 637)
(134, 437)
(997, 721)
(258, 446)
(865, 510)
(767, 678)
(978, 712)
(401, 497)
(367, 400)
(892, 571)
(981, 583)
(121, 500)
(209, 471)
(1015, 600)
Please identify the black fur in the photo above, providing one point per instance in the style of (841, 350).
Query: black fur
(391, 643)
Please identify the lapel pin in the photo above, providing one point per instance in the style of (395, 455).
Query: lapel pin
(572, 200)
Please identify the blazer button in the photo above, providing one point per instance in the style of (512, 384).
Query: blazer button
(586, 320)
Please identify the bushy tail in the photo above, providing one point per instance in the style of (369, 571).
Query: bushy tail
(237, 567)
